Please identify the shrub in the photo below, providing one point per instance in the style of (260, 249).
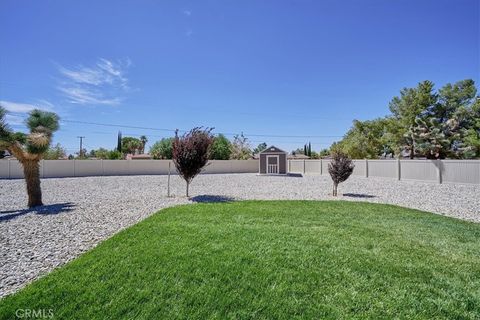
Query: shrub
(55, 153)
(114, 155)
(340, 168)
(162, 149)
(191, 152)
(221, 148)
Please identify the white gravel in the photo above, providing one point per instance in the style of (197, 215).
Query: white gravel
(81, 212)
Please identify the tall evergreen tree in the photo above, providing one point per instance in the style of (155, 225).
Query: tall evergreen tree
(412, 104)
(430, 139)
(119, 141)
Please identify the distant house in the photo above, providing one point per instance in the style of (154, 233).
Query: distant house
(273, 161)
(145, 156)
(297, 156)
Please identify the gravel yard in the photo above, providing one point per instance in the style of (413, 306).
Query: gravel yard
(81, 212)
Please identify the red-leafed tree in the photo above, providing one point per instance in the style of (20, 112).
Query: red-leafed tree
(340, 168)
(191, 152)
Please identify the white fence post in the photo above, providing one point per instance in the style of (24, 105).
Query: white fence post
(399, 169)
(168, 182)
(366, 168)
(439, 170)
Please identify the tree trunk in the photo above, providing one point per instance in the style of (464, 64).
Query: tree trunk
(31, 170)
(335, 189)
(412, 152)
(187, 189)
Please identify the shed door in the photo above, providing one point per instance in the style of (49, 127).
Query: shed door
(272, 164)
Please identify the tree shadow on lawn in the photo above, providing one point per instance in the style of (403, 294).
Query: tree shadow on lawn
(43, 210)
(209, 198)
(358, 195)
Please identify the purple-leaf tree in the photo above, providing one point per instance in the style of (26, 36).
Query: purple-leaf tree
(191, 152)
(340, 168)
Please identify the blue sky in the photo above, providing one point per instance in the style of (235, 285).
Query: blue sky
(275, 70)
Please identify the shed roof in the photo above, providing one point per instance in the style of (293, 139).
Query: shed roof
(273, 149)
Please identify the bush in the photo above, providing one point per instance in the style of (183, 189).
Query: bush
(101, 153)
(55, 153)
(191, 152)
(340, 168)
(162, 149)
(221, 148)
(115, 155)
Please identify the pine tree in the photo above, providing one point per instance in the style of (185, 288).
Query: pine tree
(430, 139)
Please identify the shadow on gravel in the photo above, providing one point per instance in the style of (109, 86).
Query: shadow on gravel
(206, 198)
(46, 210)
(358, 195)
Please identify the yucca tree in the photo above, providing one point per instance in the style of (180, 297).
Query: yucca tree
(30, 148)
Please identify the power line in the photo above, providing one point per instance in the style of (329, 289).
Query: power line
(159, 136)
(182, 130)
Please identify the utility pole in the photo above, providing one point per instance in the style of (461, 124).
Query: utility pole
(80, 154)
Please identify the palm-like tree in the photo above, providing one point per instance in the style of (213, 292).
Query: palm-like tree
(144, 141)
(30, 148)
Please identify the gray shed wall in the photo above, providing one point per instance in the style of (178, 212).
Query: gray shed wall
(282, 166)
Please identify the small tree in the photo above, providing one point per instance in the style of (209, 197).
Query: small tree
(340, 168)
(29, 149)
(240, 148)
(191, 152)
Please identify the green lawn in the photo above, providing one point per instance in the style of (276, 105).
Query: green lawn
(271, 260)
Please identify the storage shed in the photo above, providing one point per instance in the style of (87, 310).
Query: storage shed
(273, 161)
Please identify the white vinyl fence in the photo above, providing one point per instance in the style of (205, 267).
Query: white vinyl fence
(440, 171)
(12, 169)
